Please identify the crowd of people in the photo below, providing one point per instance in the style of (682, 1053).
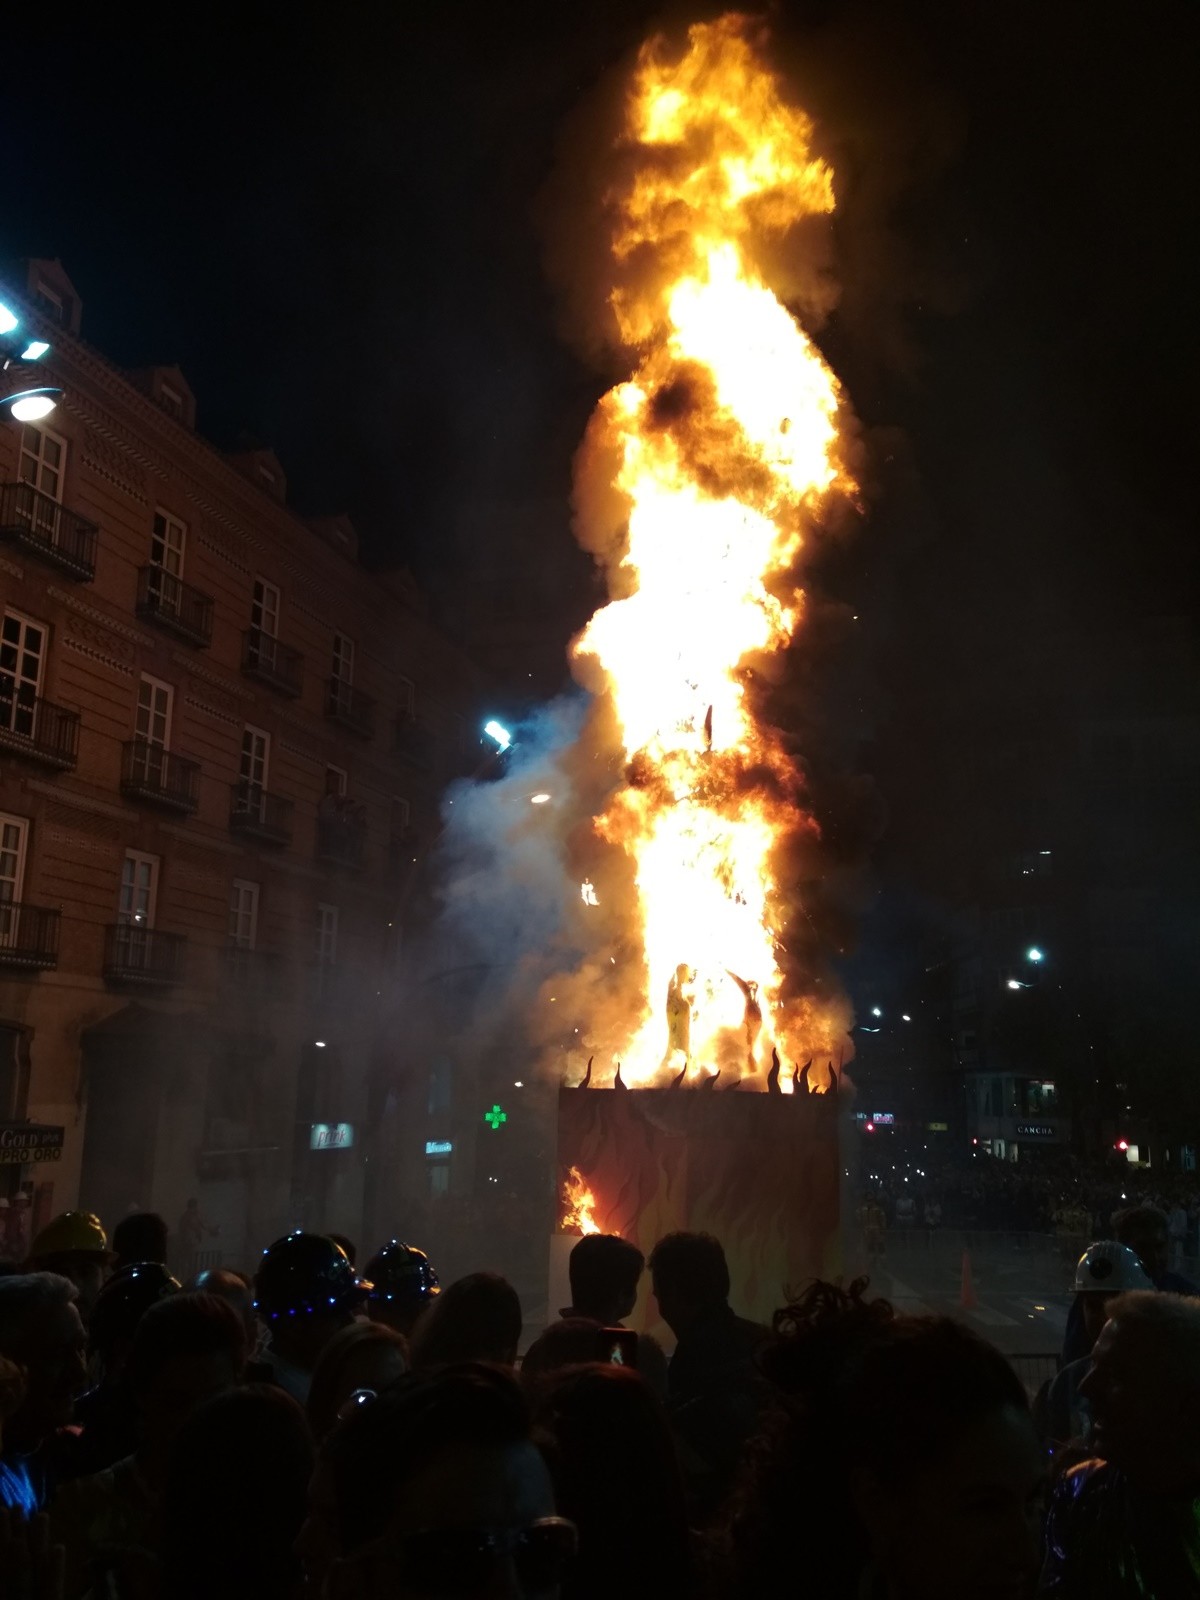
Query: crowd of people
(1056, 1195)
(316, 1430)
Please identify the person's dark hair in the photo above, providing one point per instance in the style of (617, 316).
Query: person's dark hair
(325, 1392)
(573, 1342)
(371, 1454)
(1135, 1221)
(603, 1267)
(246, 1458)
(612, 1457)
(476, 1319)
(858, 1388)
(349, 1248)
(140, 1237)
(693, 1264)
(185, 1325)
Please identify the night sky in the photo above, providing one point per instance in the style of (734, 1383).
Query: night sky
(329, 223)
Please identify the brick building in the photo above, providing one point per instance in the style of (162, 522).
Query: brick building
(221, 746)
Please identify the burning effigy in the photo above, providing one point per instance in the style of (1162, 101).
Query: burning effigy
(698, 486)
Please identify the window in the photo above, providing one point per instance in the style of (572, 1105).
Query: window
(153, 724)
(139, 890)
(343, 658)
(22, 654)
(13, 834)
(50, 301)
(327, 932)
(256, 752)
(406, 699)
(166, 543)
(335, 782)
(243, 914)
(264, 612)
(43, 459)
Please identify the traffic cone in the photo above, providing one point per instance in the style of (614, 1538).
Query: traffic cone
(966, 1298)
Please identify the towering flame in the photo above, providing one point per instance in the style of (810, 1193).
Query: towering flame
(721, 446)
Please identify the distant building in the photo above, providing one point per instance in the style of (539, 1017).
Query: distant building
(221, 748)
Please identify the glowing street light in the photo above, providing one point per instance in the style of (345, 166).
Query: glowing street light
(34, 350)
(1035, 955)
(876, 1012)
(31, 405)
(539, 799)
(499, 733)
(8, 319)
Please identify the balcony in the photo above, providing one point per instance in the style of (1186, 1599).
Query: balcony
(272, 663)
(341, 832)
(160, 777)
(349, 707)
(174, 605)
(414, 743)
(48, 531)
(36, 729)
(136, 954)
(255, 814)
(253, 971)
(28, 936)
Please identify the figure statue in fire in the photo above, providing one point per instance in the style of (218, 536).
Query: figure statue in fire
(752, 1017)
(679, 1015)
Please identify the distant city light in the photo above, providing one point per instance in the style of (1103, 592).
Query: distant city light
(318, 1044)
(876, 1012)
(35, 405)
(538, 799)
(1014, 984)
(7, 320)
(518, 1084)
(904, 1017)
(1034, 954)
(34, 350)
(499, 733)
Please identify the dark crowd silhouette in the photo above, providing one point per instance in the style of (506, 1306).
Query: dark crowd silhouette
(316, 1430)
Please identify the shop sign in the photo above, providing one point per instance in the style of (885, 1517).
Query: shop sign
(331, 1136)
(22, 1141)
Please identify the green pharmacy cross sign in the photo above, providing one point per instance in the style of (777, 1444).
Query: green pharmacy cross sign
(495, 1117)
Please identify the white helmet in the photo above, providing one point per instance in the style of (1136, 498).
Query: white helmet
(1109, 1268)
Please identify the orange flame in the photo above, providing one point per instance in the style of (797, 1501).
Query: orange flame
(722, 445)
(579, 1203)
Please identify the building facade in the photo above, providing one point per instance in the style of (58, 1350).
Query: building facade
(221, 748)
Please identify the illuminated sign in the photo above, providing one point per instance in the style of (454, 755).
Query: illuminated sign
(1036, 1130)
(495, 1118)
(20, 1141)
(330, 1135)
(438, 1147)
(938, 1127)
(883, 1119)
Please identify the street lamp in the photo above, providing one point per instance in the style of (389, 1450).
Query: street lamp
(1035, 955)
(499, 733)
(25, 404)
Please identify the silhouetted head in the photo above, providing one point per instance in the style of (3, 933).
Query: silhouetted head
(476, 1319)
(140, 1237)
(363, 1357)
(690, 1277)
(605, 1271)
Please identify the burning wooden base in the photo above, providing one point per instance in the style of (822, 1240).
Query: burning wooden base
(759, 1171)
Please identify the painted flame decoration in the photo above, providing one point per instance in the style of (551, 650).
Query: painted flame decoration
(725, 440)
(579, 1204)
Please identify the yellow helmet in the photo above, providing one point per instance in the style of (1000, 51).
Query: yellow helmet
(69, 1234)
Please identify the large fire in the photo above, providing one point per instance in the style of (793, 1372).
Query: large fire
(579, 1204)
(724, 442)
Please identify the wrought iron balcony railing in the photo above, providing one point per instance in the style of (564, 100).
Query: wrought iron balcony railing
(342, 837)
(167, 600)
(348, 706)
(134, 953)
(47, 530)
(273, 663)
(256, 814)
(414, 743)
(148, 772)
(37, 729)
(28, 936)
